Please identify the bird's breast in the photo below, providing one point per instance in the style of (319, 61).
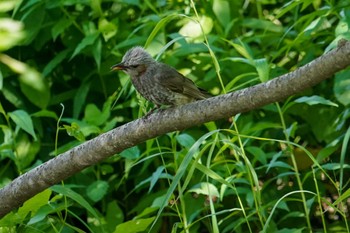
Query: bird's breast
(152, 89)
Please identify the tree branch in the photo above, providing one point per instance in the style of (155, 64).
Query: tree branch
(91, 152)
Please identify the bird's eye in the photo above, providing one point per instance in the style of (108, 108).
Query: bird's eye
(134, 66)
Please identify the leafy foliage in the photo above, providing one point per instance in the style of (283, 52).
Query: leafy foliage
(281, 168)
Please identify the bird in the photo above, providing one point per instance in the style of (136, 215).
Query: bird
(158, 82)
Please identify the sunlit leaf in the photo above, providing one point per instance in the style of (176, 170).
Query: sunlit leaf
(161, 24)
(33, 204)
(11, 33)
(26, 151)
(6, 5)
(24, 121)
(1, 80)
(108, 29)
(195, 31)
(205, 188)
(222, 9)
(263, 69)
(75, 131)
(35, 87)
(312, 100)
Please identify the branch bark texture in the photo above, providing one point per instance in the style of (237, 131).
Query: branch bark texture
(91, 152)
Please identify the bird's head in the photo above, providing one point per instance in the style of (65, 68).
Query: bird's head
(135, 61)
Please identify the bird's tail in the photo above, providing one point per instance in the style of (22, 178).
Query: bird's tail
(204, 94)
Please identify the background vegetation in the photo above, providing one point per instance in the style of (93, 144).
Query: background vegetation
(281, 168)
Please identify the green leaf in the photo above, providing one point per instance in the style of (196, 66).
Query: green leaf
(55, 62)
(46, 210)
(1, 80)
(24, 121)
(97, 190)
(244, 50)
(194, 30)
(134, 226)
(262, 24)
(7, 5)
(60, 26)
(343, 197)
(94, 116)
(76, 197)
(114, 215)
(85, 128)
(108, 29)
(335, 166)
(96, 52)
(326, 152)
(205, 188)
(13, 96)
(288, 7)
(106, 169)
(258, 153)
(45, 113)
(185, 140)
(263, 69)
(315, 25)
(279, 164)
(88, 40)
(290, 131)
(96, 8)
(75, 131)
(80, 98)
(34, 203)
(161, 24)
(156, 176)
(35, 88)
(315, 99)
(2, 111)
(221, 8)
(33, 19)
(26, 151)
(342, 87)
(131, 153)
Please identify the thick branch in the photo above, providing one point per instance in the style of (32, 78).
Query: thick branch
(135, 132)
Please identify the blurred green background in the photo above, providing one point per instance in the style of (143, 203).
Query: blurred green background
(281, 168)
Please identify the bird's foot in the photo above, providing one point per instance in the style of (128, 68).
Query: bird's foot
(157, 108)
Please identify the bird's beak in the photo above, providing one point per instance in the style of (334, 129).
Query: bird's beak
(119, 66)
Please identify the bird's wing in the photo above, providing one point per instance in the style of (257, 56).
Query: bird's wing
(176, 82)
